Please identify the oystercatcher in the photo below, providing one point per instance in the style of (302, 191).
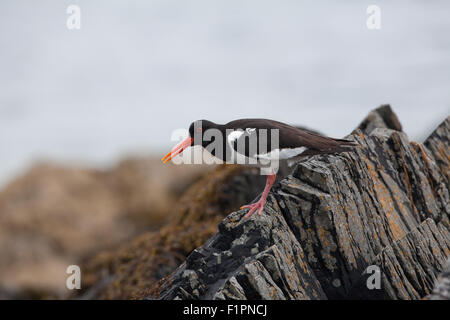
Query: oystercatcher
(257, 141)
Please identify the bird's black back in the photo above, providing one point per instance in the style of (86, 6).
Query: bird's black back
(289, 137)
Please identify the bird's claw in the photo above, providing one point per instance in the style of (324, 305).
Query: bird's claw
(253, 207)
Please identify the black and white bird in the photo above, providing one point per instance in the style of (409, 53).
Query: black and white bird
(250, 141)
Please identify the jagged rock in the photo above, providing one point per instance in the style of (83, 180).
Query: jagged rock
(382, 117)
(438, 145)
(384, 205)
(244, 261)
(442, 288)
(409, 266)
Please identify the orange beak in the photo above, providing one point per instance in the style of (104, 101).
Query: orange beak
(178, 149)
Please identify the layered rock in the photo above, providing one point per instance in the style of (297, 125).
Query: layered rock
(383, 208)
(381, 117)
(442, 289)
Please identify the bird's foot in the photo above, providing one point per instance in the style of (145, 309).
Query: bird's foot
(253, 207)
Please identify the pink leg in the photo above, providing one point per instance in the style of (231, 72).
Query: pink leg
(260, 204)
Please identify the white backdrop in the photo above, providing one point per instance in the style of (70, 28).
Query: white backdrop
(139, 69)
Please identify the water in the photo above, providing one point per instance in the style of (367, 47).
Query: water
(139, 69)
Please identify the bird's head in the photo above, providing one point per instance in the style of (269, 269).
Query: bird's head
(197, 130)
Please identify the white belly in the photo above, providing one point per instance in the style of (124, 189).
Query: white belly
(282, 154)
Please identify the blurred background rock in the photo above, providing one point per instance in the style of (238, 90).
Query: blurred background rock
(54, 216)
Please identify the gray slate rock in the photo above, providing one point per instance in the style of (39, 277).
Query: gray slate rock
(382, 117)
(442, 288)
(409, 266)
(383, 207)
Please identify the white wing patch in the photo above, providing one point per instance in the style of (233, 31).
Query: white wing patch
(290, 153)
(235, 156)
(236, 134)
(233, 136)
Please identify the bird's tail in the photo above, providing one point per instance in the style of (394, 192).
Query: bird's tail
(344, 143)
(341, 146)
(336, 146)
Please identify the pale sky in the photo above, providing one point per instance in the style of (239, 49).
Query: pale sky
(137, 70)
